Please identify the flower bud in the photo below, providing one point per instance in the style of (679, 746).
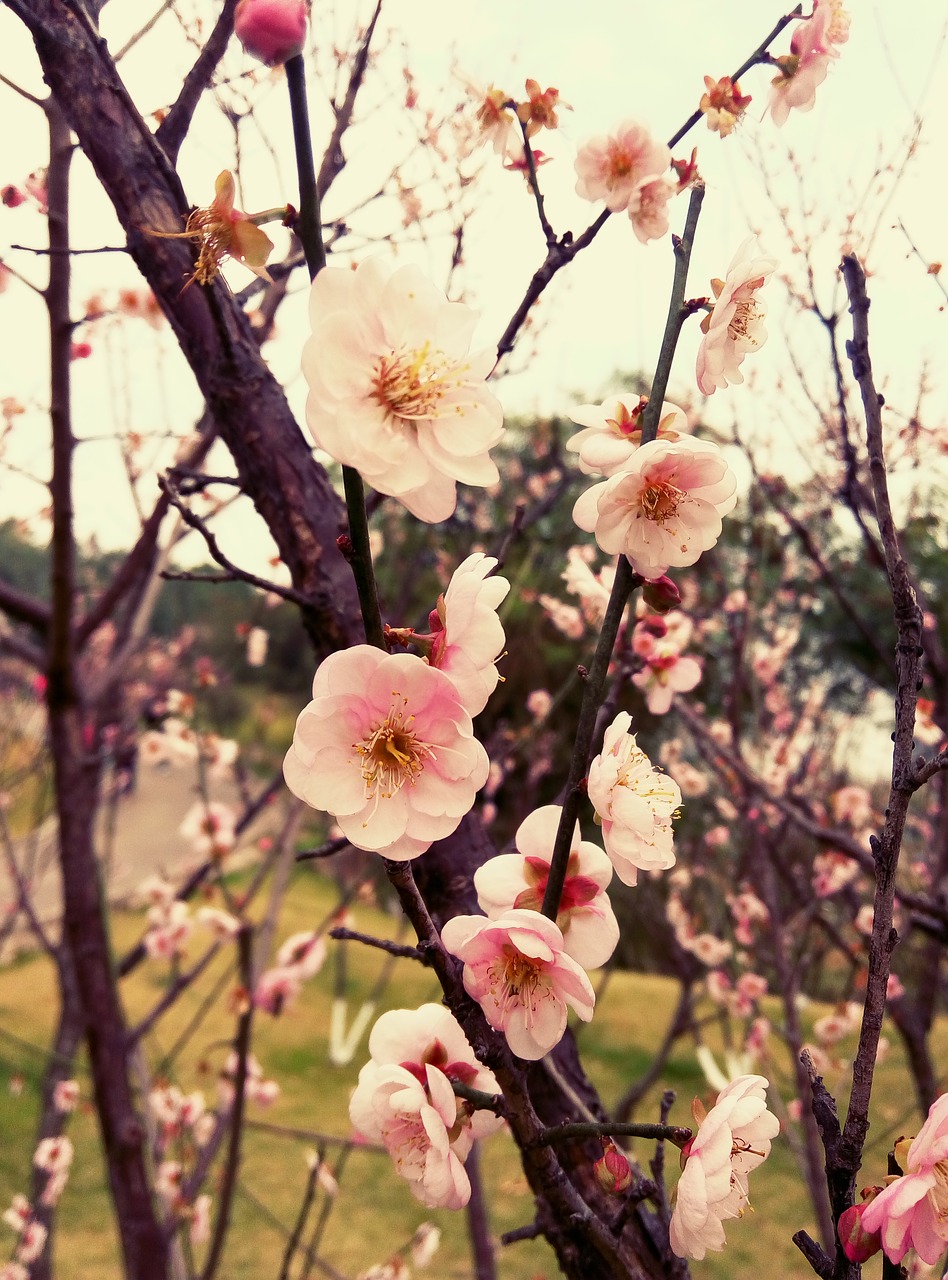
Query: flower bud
(858, 1244)
(271, 30)
(613, 1171)
(661, 595)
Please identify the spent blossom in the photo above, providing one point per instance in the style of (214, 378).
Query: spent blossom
(612, 431)
(394, 390)
(912, 1211)
(388, 749)
(664, 508)
(517, 970)
(221, 231)
(518, 880)
(635, 802)
(723, 104)
(736, 322)
(733, 1138)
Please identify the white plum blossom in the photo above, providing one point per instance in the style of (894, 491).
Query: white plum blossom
(468, 635)
(635, 803)
(517, 970)
(393, 388)
(388, 749)
(612, 431)
(736, 322)
(210, 826)
(732, 1139)
(663, 508)
(518, 880)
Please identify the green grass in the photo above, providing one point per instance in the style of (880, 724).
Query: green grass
(375, 1212)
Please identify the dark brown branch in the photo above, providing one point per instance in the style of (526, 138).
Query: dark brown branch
(21, 607)
(333, 161)
(173, 129)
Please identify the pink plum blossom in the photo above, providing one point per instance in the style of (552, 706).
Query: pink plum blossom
(388, 749)
(912, 1212)
(518, 880)
(732, 1139)
(393, 389)
(405, 1100)
(613, 431)
(515, 967)
(468, 635)
(257, 1088)
(736, 322)
(667, 671)
(31, 1242)
(635, 802)
(614, 169)
(169, 930)
(664, 508)
(210, 826)
(66, 1095)
(277, 988)
(803, 70)
(271, 30)
(648, 213)
(593, 589)
(54, 1155)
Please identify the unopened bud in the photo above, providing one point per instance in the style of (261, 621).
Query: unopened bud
(661, 595)
(613, 1171)
(271, 30)
(858, 1244)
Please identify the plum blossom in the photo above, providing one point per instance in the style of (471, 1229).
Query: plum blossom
(664, 508)
(66, 1095)
(393, 388)
(515, 967)
(667, 671)
(405, 1100)
(388, 749)
(31, 1243)
(271, 30)
(257, 1088)
(518, 880)
(170, 927)
(732, 1139)
(635, 802)
(468, 635)
(210, 826)
(613, 431)
(912, 1212)
(649, 216)
(723, 104)
(223, 232)
(736, 322)
(803, 70)
(54, 1155)
(493, 115)
(615, 168)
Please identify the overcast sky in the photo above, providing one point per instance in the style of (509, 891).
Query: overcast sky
(612, 60)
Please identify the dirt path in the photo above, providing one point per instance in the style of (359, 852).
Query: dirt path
(138, 837)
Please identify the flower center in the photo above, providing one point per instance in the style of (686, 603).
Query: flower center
(411, 384)
(660, 502)
(392, 754)
(620, 165)
(938, 1194)
(746, 315)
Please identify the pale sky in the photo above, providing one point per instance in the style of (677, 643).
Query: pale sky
(612, 60)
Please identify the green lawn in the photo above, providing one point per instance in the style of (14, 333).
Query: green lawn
(374, 1213)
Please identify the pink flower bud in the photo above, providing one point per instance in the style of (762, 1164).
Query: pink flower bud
(271, 30)
(613, 1171)
(858, 1244)
(662, 594)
